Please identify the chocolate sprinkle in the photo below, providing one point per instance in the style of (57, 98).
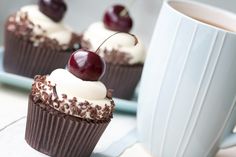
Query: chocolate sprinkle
(109, 93)
(21, 26)
(45, 93)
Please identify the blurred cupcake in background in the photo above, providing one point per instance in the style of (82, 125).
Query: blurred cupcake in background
(123, 53)
(36, 39)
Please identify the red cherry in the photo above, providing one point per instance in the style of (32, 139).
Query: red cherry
(86, 65)
(117, 18)
(54, 9)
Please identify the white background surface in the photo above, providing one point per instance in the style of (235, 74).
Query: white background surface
(13, 102)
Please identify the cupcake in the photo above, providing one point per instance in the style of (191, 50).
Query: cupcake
(69, 110)
(123, 53)
(36, 39)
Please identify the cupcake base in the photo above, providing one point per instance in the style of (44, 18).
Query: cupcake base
(59, 135)
(23, 58)
(122, 79)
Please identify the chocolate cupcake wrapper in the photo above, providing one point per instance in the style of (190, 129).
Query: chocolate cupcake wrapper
(23, 58)
(59, 135)
(123, 79)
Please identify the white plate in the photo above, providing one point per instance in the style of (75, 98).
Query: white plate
(25, 83)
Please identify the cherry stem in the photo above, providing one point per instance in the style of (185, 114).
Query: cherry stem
(135, 40)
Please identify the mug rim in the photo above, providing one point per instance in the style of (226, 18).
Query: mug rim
(224, 12)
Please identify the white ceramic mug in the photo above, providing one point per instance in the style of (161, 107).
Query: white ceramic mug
(188, 88)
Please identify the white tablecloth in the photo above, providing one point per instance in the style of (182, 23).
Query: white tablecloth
(13, 110)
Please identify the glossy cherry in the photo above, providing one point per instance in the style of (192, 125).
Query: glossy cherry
(86, 65)
(117, 18)
(54, 9)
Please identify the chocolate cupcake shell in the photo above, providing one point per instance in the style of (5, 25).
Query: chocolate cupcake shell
(23, 58)
(59, 135)
(122, 79)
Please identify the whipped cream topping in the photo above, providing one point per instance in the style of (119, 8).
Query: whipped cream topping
(67, 83)
(71, 95)
(121, 42)
(47, 27)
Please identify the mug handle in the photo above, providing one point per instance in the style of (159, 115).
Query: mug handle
(229, 137)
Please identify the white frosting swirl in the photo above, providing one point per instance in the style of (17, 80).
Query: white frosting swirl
(92, 91)
(54, 30)
(123, 42)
